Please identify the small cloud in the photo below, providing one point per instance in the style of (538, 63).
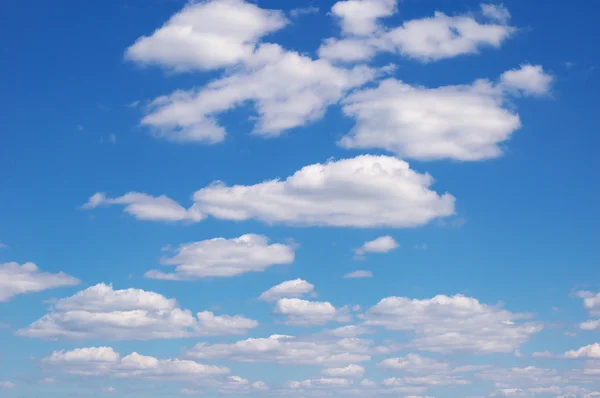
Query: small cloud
(570, 334)
(298, 12)
(3, 246)
(421, 246)
(134, 104)
(569, 64)
(359, 274)
(48, 380)
(109, 389)
(79, 127)
(7, 385)
(383, 244)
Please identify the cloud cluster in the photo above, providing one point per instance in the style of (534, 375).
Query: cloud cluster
(220, 257)
(18, 279)
(100, 312)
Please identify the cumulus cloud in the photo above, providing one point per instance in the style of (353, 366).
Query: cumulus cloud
(302, 312)
(287, 89)
(289, 289)
(100, 312)
(18, 279)
(104, 361)
(146, 207)
(323, 350)
(355, 371)
(383, 244)
(207, 35)
(425, 39)
(220, 257)
(358, 274)
(451, 324)
(589, 351)
(462, 122)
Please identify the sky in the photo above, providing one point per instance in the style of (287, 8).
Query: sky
(256, 198)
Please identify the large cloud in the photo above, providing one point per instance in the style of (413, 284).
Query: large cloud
(207, 35)
(365, 191)
(27, 278)
(452, 324)
(220, 257)
(100, 312)
(465, 122)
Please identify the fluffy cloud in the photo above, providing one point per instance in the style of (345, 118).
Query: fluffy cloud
(348, 371)
(358, 274)
(207, 35)
(322, 350)
(426, 39)
(220, 257)
(588, 351)
(288, 90)
(464, 122)
(100, 312)
(365, 191)
(147, 207)
(104, 361)
(27, 278)
(303, 312)
(383, 244)
(527, 79)
(449, 324)
(289, 289)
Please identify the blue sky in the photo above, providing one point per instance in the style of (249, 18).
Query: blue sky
(353, 198)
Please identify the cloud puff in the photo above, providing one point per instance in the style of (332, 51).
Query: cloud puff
(27, 278)
(289, 289)
(588, 351)
(383, 244)
(450, 324)
(220, 257)
(365, 191)
(464, 122)
(104, 361)
(426, 39)
(100, 312)
(207, 35)
(288, 90)
(323, 350)
(147, 207)
(303, 312)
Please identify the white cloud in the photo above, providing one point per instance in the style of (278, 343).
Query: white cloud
(147, 207)
(590, 325)
(450, 324)
(7, 385)
(591, 302)
(207, 35)
(588, 351)
(322, 350)
(383, 244)
(104, 361)
(27, 278)
(220, 257)
(303, 312)
(365, 191)
(353, 370)
(287, 89)
(527, 79)
(415, 363)
(289, 289)
(463, 122)
(426, 39)
(360, 17)
(100, 312)
(359, 274)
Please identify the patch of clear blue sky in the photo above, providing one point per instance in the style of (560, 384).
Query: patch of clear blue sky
(532, 227)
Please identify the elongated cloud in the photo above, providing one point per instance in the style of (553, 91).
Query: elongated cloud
(18, 279)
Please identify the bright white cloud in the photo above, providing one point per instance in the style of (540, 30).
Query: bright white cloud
(588, 351)
(527, 79)
(27, 278)
(302, 312)
(359, 274)
(207, 35)
(323, 350)
(104, 361)
(100, 312)
(289, 289)
(288, 90)
(365, 191)
(383, 244)
(147, 207)
(354, 371)
(220, 257)
(465, 122)
(426, 39)
(450, 324)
